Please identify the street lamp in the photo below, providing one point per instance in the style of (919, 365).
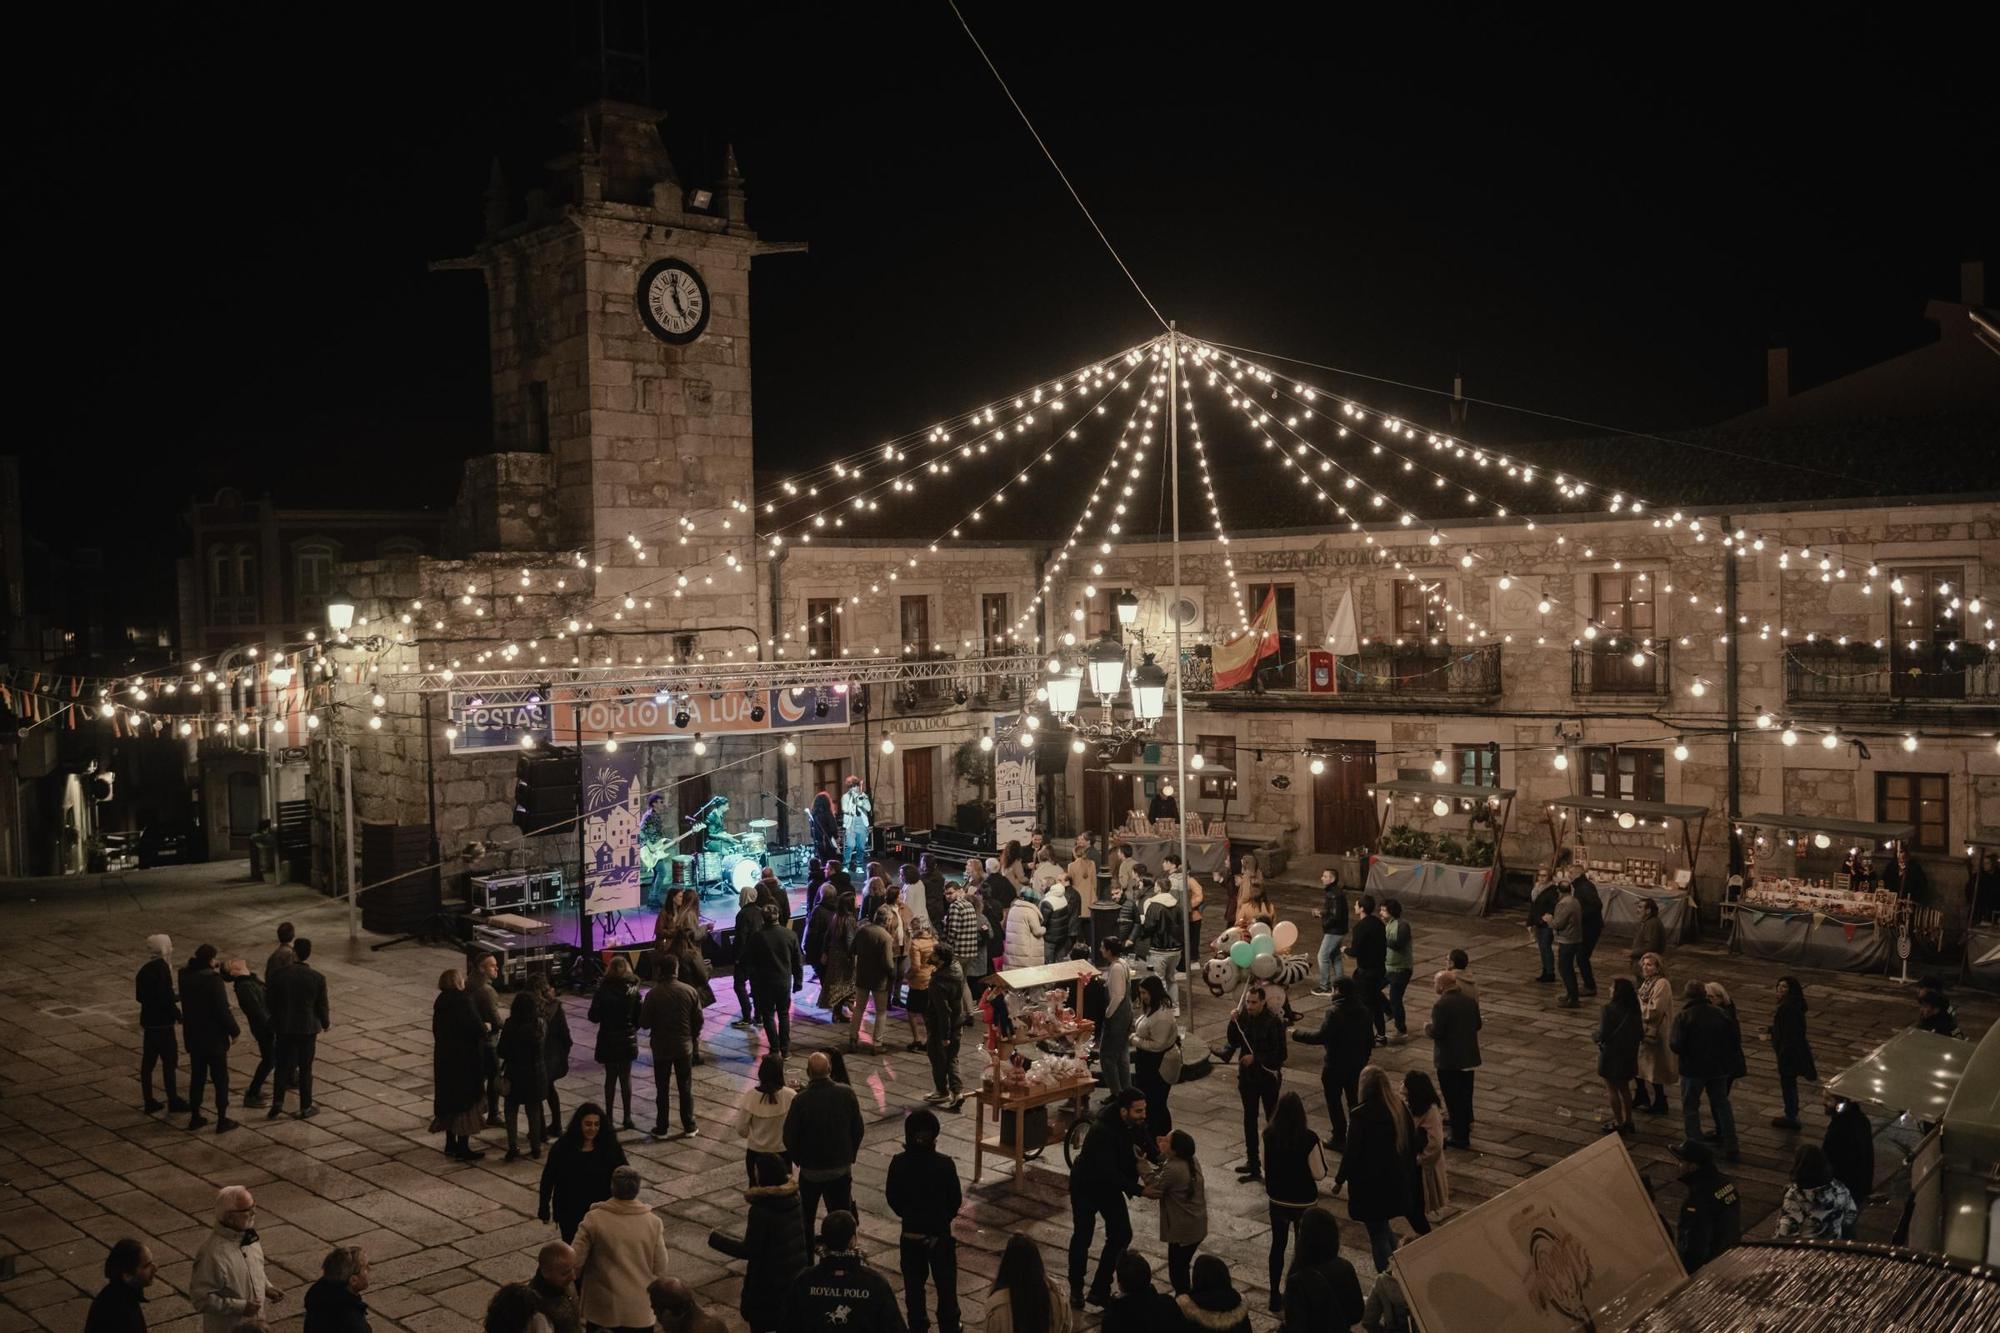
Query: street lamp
(340, 615)
(1065, 692)
(1149, 690)
(1107, 668)
(1128, 607)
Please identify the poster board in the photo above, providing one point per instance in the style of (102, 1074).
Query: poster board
(613, 805)
(1576, 1246)
(1013, 780)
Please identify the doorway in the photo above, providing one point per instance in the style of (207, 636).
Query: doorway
(918, 767)
(1343, 811)
(1107, 797)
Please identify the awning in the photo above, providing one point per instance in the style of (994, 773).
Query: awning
(1450, 790)
(1845, 828)
(1644, 809)
(1912, 1071)
(1145, 770)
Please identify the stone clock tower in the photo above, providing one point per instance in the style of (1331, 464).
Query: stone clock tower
(619, 329)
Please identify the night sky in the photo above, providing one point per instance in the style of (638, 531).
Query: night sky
(227, 225)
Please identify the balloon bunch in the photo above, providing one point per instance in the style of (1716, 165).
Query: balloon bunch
(1257, 953)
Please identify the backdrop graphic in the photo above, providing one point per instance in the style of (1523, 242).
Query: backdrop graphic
(1013, 781)
(613, 805)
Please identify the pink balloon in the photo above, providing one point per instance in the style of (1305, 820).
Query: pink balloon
(1285, 935)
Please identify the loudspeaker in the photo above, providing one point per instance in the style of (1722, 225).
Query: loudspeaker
(545, 794)
(1052, 750)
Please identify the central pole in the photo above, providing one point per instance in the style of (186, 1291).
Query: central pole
(1173, 613)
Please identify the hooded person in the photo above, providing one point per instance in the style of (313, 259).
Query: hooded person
(1212, 1303)
(1059, 913)
(773, 1243)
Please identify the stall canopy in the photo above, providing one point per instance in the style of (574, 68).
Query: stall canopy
(1842, 828)
(1639, 809)
(1146, 770)
(1425, 881)
(1913, 1071)
(1453, 791)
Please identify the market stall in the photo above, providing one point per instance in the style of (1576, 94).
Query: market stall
(1634, 852)
(1811, 896)
(1982, 928)
(1043, 1004)
(1147, 840)
(1444, 854)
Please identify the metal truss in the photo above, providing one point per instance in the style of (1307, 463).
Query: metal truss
(700, 676)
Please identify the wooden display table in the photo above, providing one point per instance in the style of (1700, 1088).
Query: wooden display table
(993, 1095)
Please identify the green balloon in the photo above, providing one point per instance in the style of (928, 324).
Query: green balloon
(1264, 944)
(1242, 952)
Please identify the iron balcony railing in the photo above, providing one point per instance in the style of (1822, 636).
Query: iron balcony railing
(1419, 671)
(1861, 673)
(1621, 667)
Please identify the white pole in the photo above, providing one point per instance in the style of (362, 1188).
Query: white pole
(347, 793)
(1180, 711)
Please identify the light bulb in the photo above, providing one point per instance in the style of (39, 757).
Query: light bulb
(700, 746)
(527, 739)
(312, 721)
(1438, 766)
(1699, 688)
(1789, 737)
(1910, 744)
(1829, 741)
(1639, 659)
(610, 745)
(451, 733)
(986, 744)
(1561, 761)
(1076, 746)
(1763, 720)
(1626, 819)
(1821, 841)
(1681, 751)
(888, 745)
(1440, 807)
(1196, 760)
(187, 728)
(792, 747)
(375, 724)
(1318, 766)
(1542, 607)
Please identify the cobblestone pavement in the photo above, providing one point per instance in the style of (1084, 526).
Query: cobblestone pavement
(81, 1164)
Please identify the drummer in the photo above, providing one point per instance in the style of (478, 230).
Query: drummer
(716, 838)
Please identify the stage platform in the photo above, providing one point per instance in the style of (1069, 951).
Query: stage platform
(634, 929)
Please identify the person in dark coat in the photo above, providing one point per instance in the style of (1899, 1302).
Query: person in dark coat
(334, 1304)
(1104, 1176)
(578, 1171)
(1718, 995)
(1793, 1051)
(1711, 1219)
(773, 1243)
(1850, 1150)
(945, 1016)
(1368, 946)
(523, 1055)
(120, 1307)
(671, 1012)
(209, 1025)
(775, 967)
(1587, 897)
(1706, 1041)
(1346, 1035)
(1212, 1303)
(458, 1067)
(1619, 1031)
(749, 920)
(249, 988)
(1540, 908)
(299, 1013)
(1260, 1034)
(1374, 1169)
(1140, 1307)
(480, 974)
(159, 1016)
(1454, 1032)
(923, 1191)
(841, 1291)
(615, 1010)
(556, 1045)
(1322, 1292)
(823, 1133)
(825, 828)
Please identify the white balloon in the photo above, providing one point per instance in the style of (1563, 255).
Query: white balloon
(1258, 930)
(1264, 966)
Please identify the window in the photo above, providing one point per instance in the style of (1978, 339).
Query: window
(1923, 621)
(1477, 765)
(993, 625)
(1623, 604)
(1280, 667)
(1419, 610)
(916, 624)
(823, 627)
(221, 572)
(246, 570)
(313, 579)
(1100, 615)
(1623, 773)
(1221, 751)
(828, 775)
(1917, 799)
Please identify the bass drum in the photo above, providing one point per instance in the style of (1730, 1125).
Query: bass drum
(708, 868)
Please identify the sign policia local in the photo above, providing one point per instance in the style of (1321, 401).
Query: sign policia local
(607, 711)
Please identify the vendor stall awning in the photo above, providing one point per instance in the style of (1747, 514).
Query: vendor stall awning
(1912, 1071)
(1845, 828)
(1142, 770)
(1646, 809)
(1449, 790)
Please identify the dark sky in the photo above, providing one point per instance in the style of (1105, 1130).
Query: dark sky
(227, 225)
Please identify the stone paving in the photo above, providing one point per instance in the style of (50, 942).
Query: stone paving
(81, 1164)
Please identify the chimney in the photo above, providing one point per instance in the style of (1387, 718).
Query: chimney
(1972, 283)
(1777, 375)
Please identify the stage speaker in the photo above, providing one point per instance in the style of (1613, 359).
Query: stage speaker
(545, 794)
(1052, 750)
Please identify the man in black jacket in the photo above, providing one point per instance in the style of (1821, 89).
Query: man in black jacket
(210, 1025)
(1454, 1033)
(554, 1285)
(771, 962)
(923, 1190)
(823, 1132)
(250, 999)
(1709, 1046)
(1540, 908)
(1347, 1035)
(159, 1014)
(945, 1015)
(298, 1015)
(749, 920)
(1587, 897)
(1104, 1176)
(120, 1307)
(1368, 946)
(1332, 930)
(1260, 1069)
(1711, 1219)
(840, 1291)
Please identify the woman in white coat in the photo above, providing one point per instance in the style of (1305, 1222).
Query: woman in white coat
(621, 1249)
(1025, 932)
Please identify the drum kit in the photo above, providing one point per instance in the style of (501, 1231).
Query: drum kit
(714, 869)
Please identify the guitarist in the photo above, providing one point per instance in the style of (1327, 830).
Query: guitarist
(656, 851)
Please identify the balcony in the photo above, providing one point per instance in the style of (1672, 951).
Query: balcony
(1605, 669)
(1381, 677)
(1928, 680)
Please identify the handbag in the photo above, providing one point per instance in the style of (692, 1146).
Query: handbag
(1316, 1162)
(1171, 1062)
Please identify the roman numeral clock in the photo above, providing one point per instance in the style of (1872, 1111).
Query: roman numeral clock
(673, 301)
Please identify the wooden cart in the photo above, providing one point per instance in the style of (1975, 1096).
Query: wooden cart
(994, 1098)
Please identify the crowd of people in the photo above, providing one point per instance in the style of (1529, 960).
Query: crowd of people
(915, 941)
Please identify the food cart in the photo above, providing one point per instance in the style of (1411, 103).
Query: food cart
(1809, 895)
(1429, 862)
(1012, 1088)
(1634, 852)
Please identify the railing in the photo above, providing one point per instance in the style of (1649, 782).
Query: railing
(1863, 674)
(1426, 672)
(1608, 667)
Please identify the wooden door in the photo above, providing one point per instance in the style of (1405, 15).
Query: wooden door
(1108, 797)
(1343, 811)
(1624, 609)
(1923, 622)
(918, 765)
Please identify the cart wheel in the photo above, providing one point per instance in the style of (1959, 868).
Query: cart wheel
(1079, 1125)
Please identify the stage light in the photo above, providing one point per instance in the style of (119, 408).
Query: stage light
(756, 712)
(681, 716)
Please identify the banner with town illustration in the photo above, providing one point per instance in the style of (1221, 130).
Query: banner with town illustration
(613, 805)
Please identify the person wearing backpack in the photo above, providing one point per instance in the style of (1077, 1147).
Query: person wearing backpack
(1401, 941)
(1163, 930)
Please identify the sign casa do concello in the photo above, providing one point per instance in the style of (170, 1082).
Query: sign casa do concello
(1330, 555)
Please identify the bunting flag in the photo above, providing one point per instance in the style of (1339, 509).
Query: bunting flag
(1237, 656)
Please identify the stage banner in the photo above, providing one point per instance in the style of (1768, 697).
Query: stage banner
(1013, 781)
(613, 805)
(636, 715)
(497, 719)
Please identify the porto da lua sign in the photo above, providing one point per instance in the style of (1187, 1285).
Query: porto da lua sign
(601, 712)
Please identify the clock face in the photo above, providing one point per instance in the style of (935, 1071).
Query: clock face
(673, 302)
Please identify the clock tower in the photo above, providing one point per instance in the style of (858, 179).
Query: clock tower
(619, 335)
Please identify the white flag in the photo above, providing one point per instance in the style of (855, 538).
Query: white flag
(1341, 637)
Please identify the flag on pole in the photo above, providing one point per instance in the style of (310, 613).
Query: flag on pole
(1342, 637)
(1236, 657)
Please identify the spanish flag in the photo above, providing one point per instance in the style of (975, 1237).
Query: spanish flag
(1236, 657)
